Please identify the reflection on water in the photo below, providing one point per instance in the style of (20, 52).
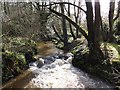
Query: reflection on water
(55, 72)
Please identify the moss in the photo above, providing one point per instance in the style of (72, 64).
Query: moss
(104, 69)
(14, 52)
(116, 46)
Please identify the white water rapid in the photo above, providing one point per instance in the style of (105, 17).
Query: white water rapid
(57, 72)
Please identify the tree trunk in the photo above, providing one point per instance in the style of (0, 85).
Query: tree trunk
(71, 31)
(5, 10)
(95, 54)
(89, 17)
(65, 36)
(111, 15)
(97, 24)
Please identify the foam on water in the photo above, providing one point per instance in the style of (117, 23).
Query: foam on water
(61, 74)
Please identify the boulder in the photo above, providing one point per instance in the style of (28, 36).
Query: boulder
(69, 59)
(49, 60)
(40, 62)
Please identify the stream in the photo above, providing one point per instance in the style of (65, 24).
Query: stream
(53, 69)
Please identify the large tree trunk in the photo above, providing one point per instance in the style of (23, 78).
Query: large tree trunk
(94, 32)
(97, 24)
(111, 15)
(89, 17)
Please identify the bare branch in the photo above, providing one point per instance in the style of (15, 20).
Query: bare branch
(53, 3)
(72, 22)
(57, 33)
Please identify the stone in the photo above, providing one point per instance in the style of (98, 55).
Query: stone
(69, 59)
(40, 62)
(69, 55)
(49, 59)
(32, 64)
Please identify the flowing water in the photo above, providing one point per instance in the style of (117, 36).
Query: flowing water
(55, 70)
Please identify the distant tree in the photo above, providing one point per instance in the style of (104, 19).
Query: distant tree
(6, 8)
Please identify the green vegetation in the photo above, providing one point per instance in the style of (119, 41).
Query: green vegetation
(26, 23)
(117, 46)
(107, 69)
(17, 53)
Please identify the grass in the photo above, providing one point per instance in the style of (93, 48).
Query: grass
(117, 47)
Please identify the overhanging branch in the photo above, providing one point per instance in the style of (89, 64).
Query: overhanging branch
(70, 4)
(70, 21)
(53, 3)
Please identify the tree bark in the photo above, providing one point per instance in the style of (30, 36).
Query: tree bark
(95, 54)
(111, 15)
(89, 17)
(97, 25)
(65, 35)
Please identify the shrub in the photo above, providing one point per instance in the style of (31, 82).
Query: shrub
(14, 59)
